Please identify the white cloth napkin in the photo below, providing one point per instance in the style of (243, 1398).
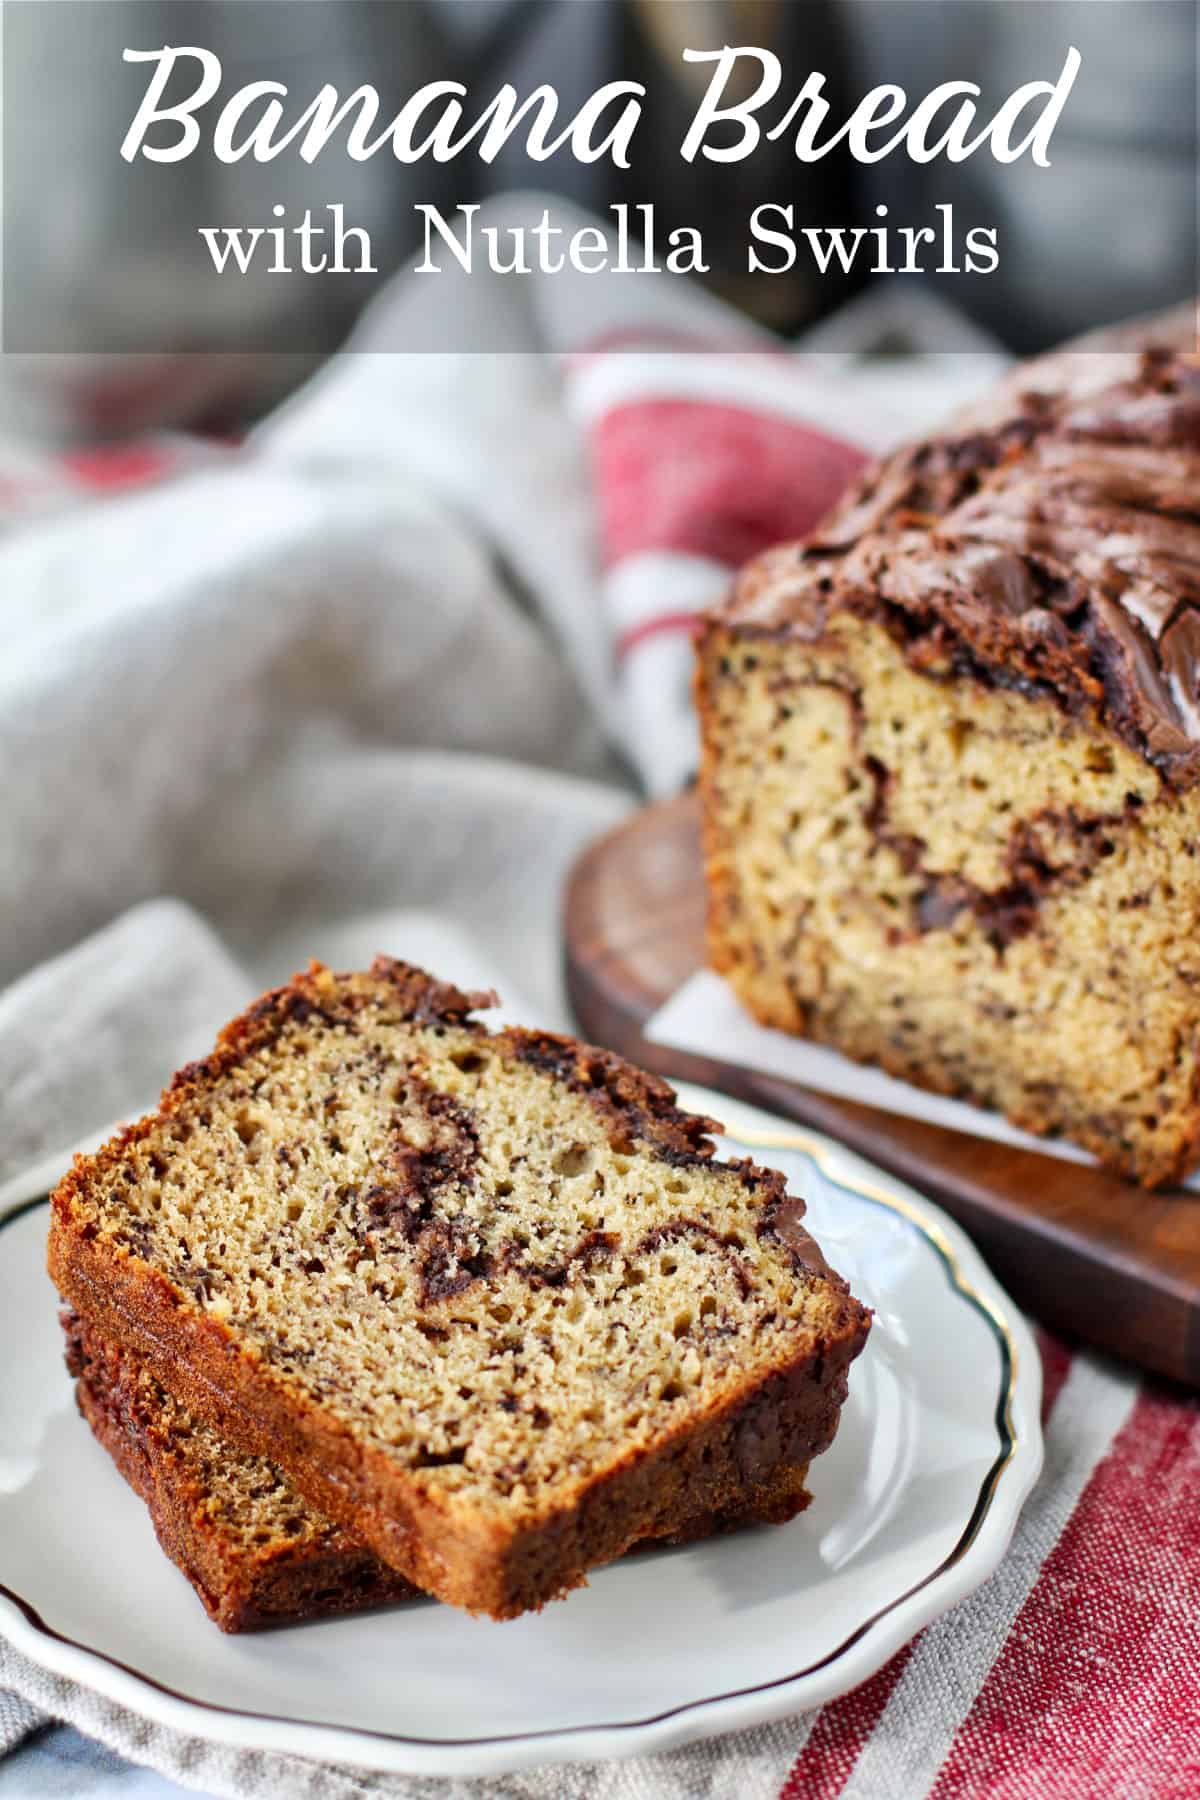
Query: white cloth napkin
(349, 689)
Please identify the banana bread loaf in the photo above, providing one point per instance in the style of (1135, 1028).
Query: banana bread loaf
(951, 771)
(487, 1300)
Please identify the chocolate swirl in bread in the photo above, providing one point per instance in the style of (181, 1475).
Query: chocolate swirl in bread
(1054, 547)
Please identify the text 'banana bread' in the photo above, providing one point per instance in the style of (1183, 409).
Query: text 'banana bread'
(486, 1299)
(951, 771)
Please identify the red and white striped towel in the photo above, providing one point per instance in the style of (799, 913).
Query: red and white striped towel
(1075, 1673)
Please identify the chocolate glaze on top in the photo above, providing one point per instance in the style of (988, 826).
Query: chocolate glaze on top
(1049, 542)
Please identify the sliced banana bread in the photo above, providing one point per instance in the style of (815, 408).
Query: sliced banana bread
(951, 773)
(254, 1550)
(486, 1299)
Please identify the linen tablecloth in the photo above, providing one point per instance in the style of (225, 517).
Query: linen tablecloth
(369, 681)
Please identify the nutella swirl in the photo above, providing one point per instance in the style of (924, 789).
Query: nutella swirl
(1050, 541)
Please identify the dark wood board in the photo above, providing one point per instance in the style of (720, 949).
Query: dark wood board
(1087, 1254)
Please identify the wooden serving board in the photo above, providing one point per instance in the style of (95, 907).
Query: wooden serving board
(1087, 1254)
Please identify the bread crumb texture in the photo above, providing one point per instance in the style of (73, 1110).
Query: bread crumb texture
(964, 884)
(507, 1262)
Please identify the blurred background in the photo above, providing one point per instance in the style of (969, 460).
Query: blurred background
(101, 257)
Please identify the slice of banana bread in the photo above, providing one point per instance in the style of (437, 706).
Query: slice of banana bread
(951, 772)
(486, 1299)
(256, 1554)
(254, 1550)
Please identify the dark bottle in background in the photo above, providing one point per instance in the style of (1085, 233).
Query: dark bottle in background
(718, 198)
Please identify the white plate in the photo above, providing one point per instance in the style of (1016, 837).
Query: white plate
(913, 1507)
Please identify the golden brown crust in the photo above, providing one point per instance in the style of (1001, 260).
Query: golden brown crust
(317, 995)
(485, 1562)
